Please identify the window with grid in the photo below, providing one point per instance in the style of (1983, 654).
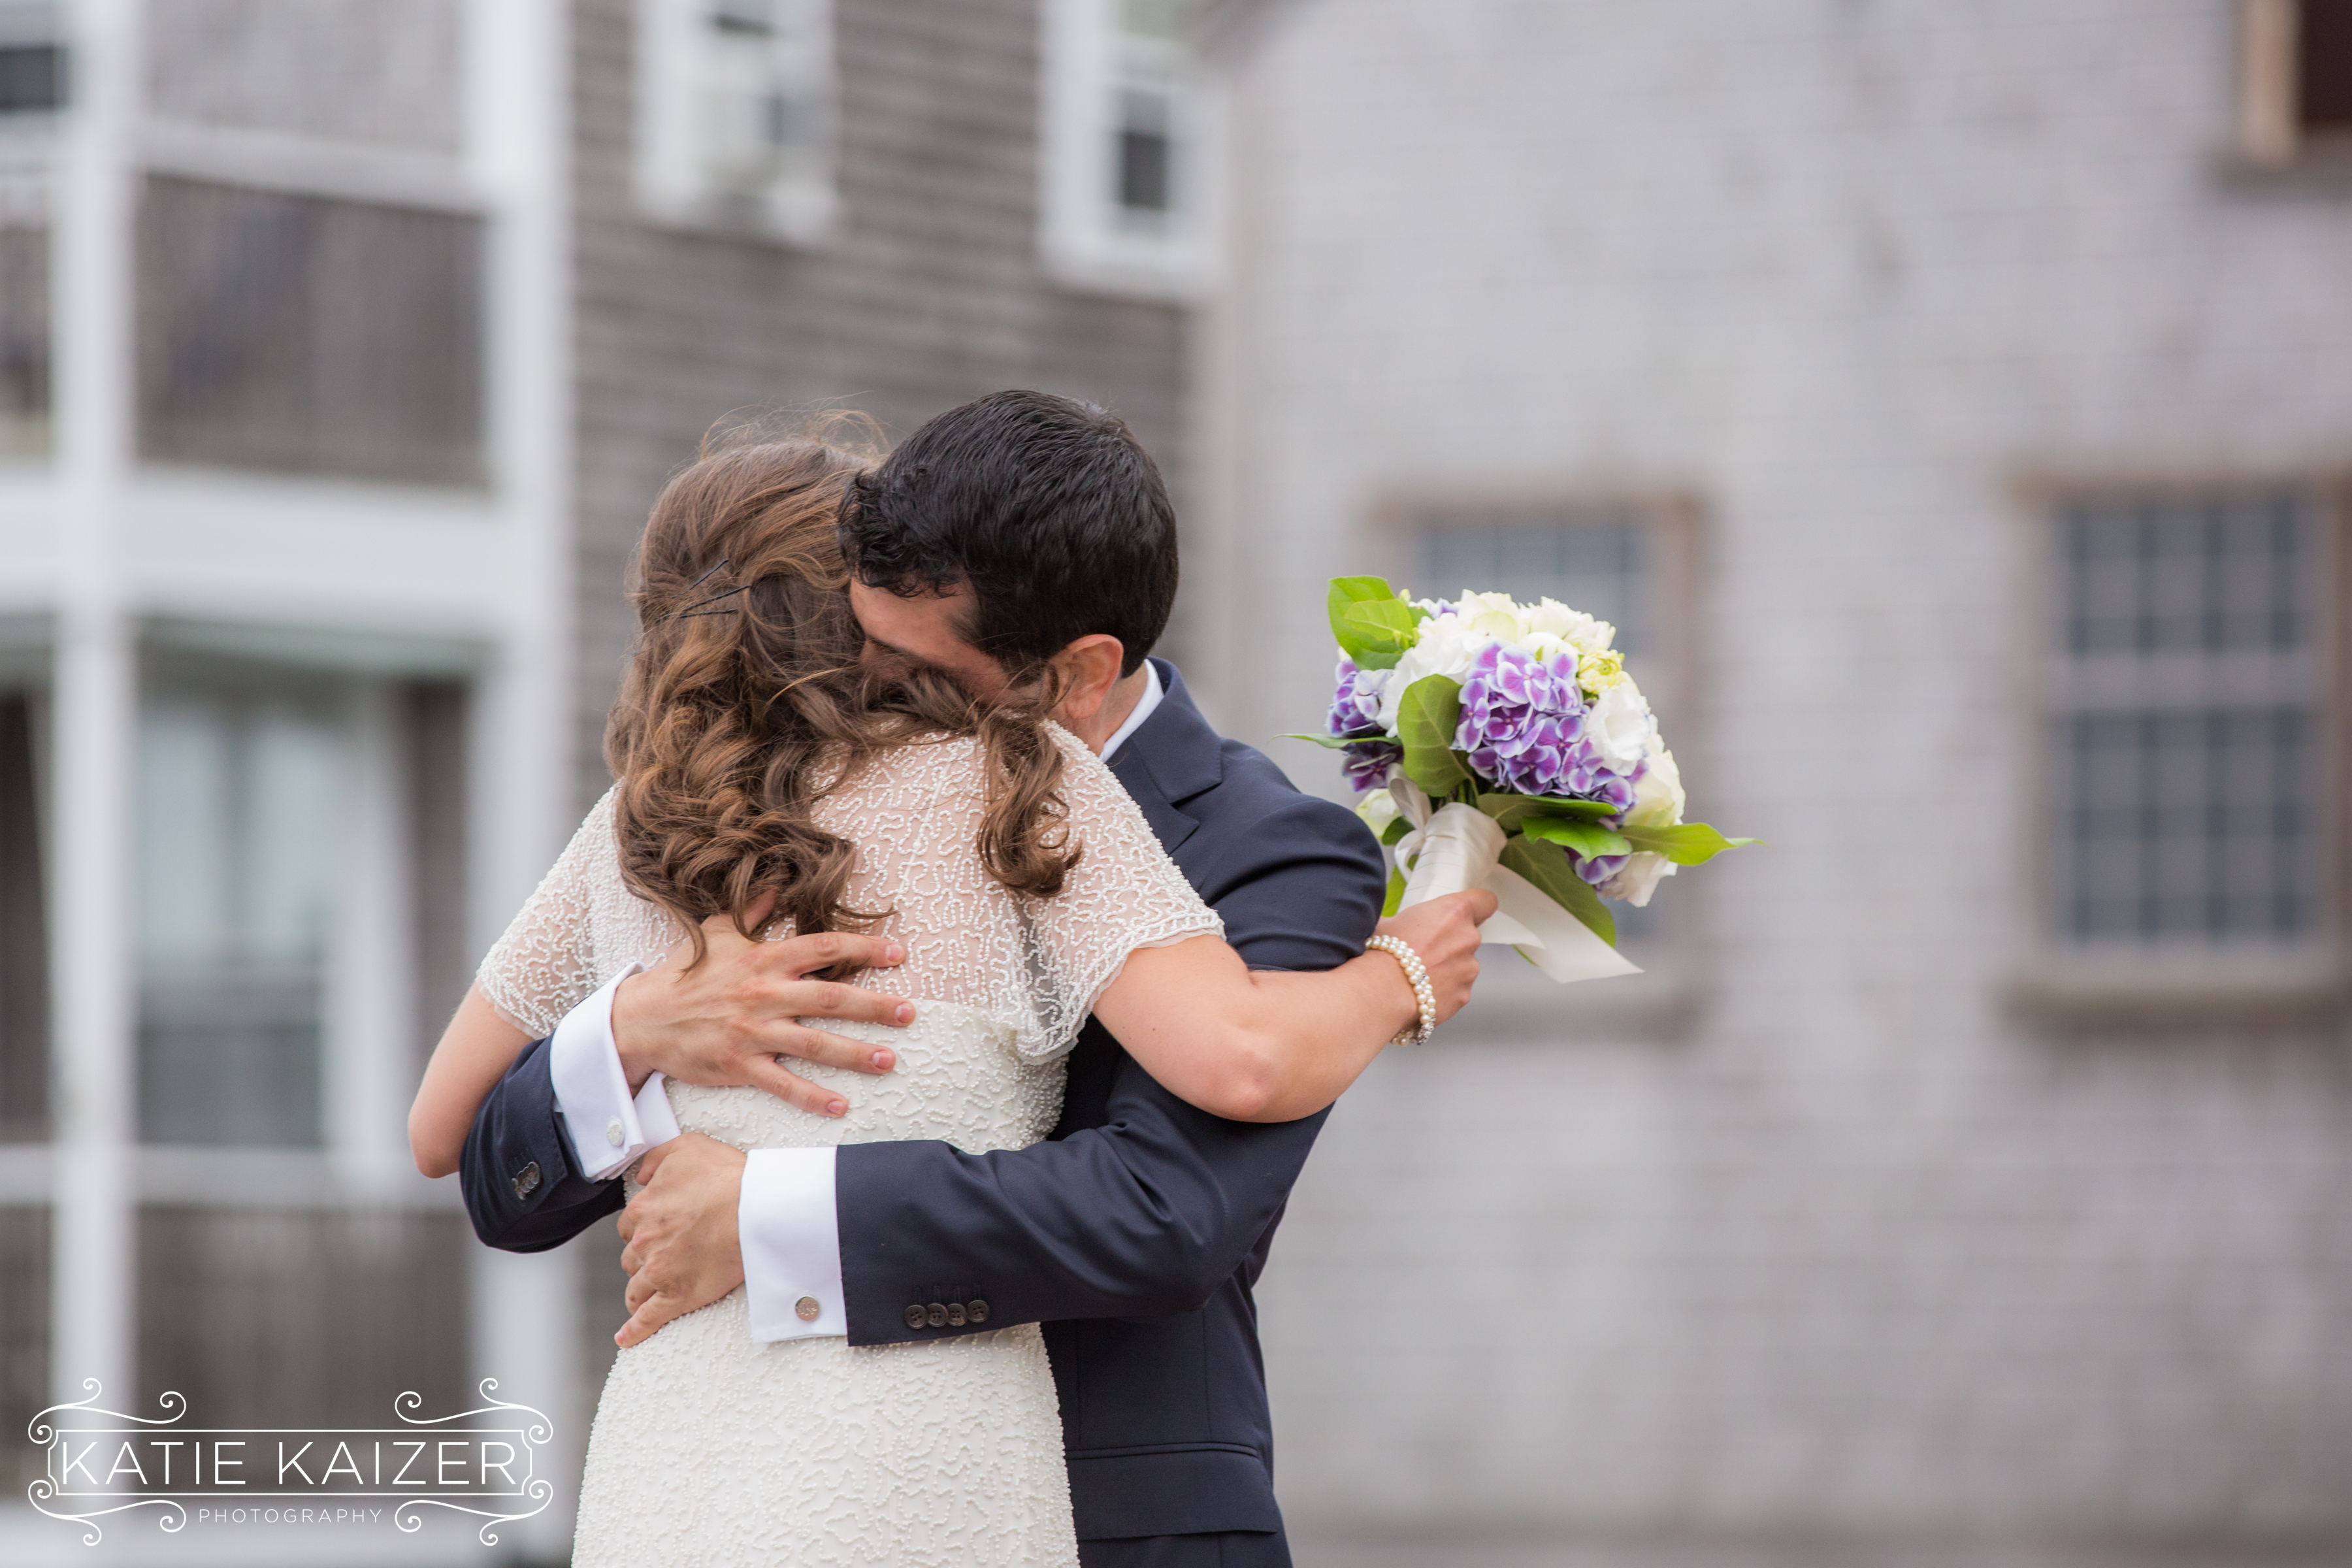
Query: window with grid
(1122, 142)
(2191, 738)
(1618, 563)
(735, 114)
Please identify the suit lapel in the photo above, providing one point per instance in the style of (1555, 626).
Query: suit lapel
(1173, 757)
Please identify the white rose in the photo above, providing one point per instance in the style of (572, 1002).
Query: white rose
(1658, 792)
(1637, 878)
(1619, 727)
(1378, 809)
(1549, 617)
(1447, 646)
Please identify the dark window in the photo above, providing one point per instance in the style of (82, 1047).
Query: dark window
(24, 944)
(2188, 745)
(1145, 153)
(24, 1337)
(308, 335)
(2323, 66)
(435, 721)
(291, 1317)
(24, 339)
(32, 78)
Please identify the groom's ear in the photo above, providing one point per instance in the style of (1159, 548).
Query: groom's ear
(1089, 668)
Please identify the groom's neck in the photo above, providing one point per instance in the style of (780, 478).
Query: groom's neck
(1099, 727)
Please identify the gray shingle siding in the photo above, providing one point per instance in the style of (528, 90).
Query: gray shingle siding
(930, 293)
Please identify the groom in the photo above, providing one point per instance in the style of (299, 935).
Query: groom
(1018, 527)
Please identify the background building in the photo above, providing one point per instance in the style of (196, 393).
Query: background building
(1952, 406)
(1953, 402)
(343, 344)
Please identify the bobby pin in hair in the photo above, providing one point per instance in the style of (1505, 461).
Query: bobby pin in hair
(695, 608)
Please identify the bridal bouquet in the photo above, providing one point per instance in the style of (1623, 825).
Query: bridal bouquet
(1505, 747)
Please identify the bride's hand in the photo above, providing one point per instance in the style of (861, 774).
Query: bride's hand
(731, 1018)
(1444, 934)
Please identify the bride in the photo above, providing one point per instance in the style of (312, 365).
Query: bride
(764, 757)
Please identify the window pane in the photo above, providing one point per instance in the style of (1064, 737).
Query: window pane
(284, 1316)
(308, 335)
(23, 1338)
(1600, 567)
(2324, 65)
(2198, 824)
(240, 832)
(24, 940)
(436, 743)
(2207, 576)
(380, 72)
(2179, 818)
(32, 78)
(24, 341)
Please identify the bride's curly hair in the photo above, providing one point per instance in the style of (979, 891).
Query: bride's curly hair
(746, 702)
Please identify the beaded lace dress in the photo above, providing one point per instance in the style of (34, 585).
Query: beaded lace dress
(710, 1448)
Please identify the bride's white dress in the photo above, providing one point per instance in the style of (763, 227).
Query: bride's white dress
(711, 1450)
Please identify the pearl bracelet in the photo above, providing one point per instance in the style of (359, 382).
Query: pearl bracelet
(1423, 994)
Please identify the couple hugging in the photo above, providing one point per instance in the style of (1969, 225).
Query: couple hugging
(971, 1286)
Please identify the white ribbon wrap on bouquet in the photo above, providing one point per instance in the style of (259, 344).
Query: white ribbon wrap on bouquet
(1457, 847)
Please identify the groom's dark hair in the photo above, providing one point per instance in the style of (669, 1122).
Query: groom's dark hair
(1050, 510)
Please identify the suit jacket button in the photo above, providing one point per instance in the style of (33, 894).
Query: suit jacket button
(917, 1317)
(977, 1311)
(806, 1309)
(955, 1314)
(526, 1181)
(936, 1316)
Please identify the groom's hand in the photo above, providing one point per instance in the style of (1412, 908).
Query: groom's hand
(728, 1019)
(681, 1248)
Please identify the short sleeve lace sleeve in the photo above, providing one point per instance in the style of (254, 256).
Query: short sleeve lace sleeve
(1124, 893)
(545, 965)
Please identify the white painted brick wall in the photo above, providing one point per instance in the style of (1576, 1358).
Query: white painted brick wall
(1843, 1245)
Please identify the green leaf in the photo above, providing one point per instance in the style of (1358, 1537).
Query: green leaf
(1585, 838)
(1511, 811)
(1692, 844)
(1395, 830)
(1330, 741)
(1395, 895)
(1426, 718)
(1369, 622)
(1548, 869)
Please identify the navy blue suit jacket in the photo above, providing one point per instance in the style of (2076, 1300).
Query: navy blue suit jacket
(1136, 1232)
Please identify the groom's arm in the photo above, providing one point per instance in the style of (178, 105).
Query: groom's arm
(1141, 1216)
(523, 1191)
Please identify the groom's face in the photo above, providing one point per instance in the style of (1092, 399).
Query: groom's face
(927, 629)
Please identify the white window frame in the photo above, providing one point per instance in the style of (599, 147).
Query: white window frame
(1083, 238)
(677, 68)
(2185, 979)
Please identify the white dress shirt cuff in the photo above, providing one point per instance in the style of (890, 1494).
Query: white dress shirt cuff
(792, 1245)
(609, 1127)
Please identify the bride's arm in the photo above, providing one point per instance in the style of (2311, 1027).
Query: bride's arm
(475, 1052)
(1272, 1046)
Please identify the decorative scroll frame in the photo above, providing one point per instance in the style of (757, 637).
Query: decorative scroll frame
(405, 1514)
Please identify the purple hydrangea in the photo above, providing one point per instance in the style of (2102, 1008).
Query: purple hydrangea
(1356, 715)
(1522, 726)
(1356, 705)
(1371, 764)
